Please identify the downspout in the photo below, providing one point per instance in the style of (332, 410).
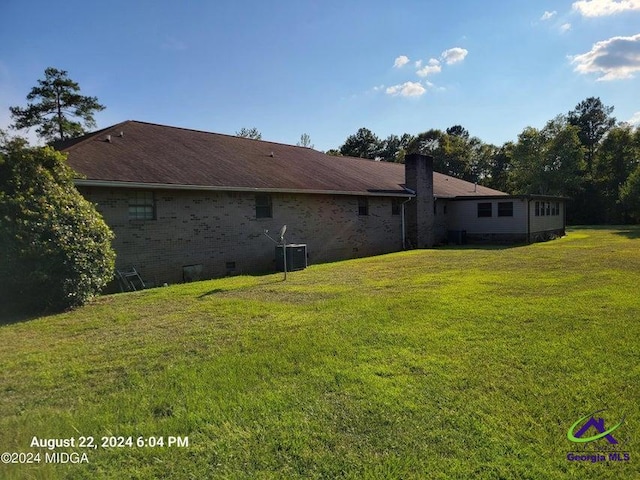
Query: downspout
(529, 220)
(404, 235)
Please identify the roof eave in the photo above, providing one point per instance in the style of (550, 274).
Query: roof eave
(507, 196)
(213, 188)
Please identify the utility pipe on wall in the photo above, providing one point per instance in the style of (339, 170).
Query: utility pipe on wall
(404, 235)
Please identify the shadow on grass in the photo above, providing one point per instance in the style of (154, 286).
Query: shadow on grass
(631, 233)
(247, 287)
(11, 316)
(213, 292)
(483, 246)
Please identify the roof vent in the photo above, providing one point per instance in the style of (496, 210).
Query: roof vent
(108, 139)
(271, 154)
(121, 134)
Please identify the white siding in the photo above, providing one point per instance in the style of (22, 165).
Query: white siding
(544, 223)
(463, 215)
(440, 220)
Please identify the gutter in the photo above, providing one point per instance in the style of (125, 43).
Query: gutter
(78, 182)
(506, 197)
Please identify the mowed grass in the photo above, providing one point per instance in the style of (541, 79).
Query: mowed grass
(446, 363)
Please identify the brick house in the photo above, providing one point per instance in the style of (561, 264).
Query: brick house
(177, 198)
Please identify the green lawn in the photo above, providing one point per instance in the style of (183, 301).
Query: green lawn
(445, 363)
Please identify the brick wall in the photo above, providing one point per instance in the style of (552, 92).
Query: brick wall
(419, 211)
(220, 231)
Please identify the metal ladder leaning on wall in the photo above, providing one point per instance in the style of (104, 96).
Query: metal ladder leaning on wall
(130, 279)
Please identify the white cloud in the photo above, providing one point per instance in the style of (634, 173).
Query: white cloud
(635, 119)
(401, 61)
(418, 63)
(600, 8)
(407, 89)
(454, 55)
(433, 66)
(565, 27)
(614, 59)
(548, 15)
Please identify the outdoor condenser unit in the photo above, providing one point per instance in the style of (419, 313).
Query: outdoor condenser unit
(296, 257)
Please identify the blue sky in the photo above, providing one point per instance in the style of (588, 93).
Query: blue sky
(327, 68)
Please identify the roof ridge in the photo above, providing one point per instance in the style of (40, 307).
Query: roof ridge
(72, 142)
(228, 135)
(197, 130)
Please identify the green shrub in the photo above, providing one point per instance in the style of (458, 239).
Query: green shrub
(55, 247)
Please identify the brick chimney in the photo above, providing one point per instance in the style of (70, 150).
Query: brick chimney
(418, 174)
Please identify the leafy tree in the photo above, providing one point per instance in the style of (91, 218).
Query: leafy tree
(252, 132)
(394, 148)
(427, 143)
(630, 194)
(617, 157)
(58, 109)
(389, 148)
(564, 163)
(499, 165)
(363, 144)
(593, 120)
(481, 160)
(56, 251)
(333, 152)
(527, 172)
(305, 141)
(548, 161)
(454, 154)
(458, 131)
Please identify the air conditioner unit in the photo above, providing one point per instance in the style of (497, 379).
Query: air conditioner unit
(296, 257)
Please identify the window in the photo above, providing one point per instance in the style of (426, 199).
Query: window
(548, 209)
(557, 208)
(142, 205)
(484, 209)
(505, 209)
(263, 206)
(396, 206)
(363, 206)
(537, 209)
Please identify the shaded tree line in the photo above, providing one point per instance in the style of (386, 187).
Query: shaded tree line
(585, 155)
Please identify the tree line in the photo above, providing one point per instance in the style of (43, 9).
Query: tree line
(585, 154)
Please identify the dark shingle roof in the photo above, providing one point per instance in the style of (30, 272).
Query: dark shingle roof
(141, 152)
